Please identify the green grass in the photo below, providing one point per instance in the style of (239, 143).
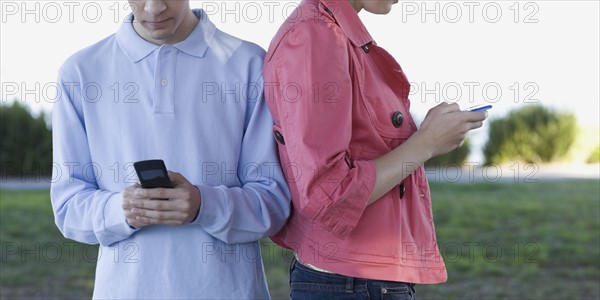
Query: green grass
(500, 241)
(36, 260)
(514, 241)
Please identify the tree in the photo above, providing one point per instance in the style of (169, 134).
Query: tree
(25, 142)
(534, 134)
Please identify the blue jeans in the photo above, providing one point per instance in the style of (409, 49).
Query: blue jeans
(306, 283)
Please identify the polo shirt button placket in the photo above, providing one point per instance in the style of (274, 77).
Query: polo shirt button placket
(164, 102)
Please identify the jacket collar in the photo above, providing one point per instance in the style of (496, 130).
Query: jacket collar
(195, 44)
(348, 20)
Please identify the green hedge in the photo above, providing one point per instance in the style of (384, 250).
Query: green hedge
(534, 134)
(594, 157)
(455, 157)
(26, 142)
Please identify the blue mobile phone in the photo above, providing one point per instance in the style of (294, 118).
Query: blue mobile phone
(482, 107)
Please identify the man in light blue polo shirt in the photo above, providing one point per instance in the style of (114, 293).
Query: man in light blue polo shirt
(168, 85)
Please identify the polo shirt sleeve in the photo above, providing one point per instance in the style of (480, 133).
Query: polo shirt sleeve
(314, 98)
(83, 212)
(261, 205)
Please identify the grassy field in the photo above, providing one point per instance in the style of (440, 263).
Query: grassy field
(500, 241)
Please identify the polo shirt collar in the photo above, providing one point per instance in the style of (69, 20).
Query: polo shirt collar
(348, 20)
(195, 44)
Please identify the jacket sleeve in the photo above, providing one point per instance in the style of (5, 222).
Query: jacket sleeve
(82, 211)
(261, 206)
(311, 71)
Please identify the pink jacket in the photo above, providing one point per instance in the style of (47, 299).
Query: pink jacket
(339, 101)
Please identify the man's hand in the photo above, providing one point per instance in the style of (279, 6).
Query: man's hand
(176, 206)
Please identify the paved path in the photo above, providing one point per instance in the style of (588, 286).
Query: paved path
(515, 173)
(25, 184)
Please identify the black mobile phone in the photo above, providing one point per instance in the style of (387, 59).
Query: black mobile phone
(153, 174)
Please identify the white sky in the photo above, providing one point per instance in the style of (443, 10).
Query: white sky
(535, 51)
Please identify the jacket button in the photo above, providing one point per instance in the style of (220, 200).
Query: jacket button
(397, 119)
(402, 190)
(365, 48)
(279, 137)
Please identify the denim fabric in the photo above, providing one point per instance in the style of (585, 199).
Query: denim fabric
(306, 283)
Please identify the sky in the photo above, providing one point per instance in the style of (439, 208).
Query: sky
(506, 53)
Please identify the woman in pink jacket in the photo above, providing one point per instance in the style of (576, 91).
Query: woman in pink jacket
(362, 224)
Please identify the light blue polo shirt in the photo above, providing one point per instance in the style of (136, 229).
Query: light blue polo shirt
(199, 106)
